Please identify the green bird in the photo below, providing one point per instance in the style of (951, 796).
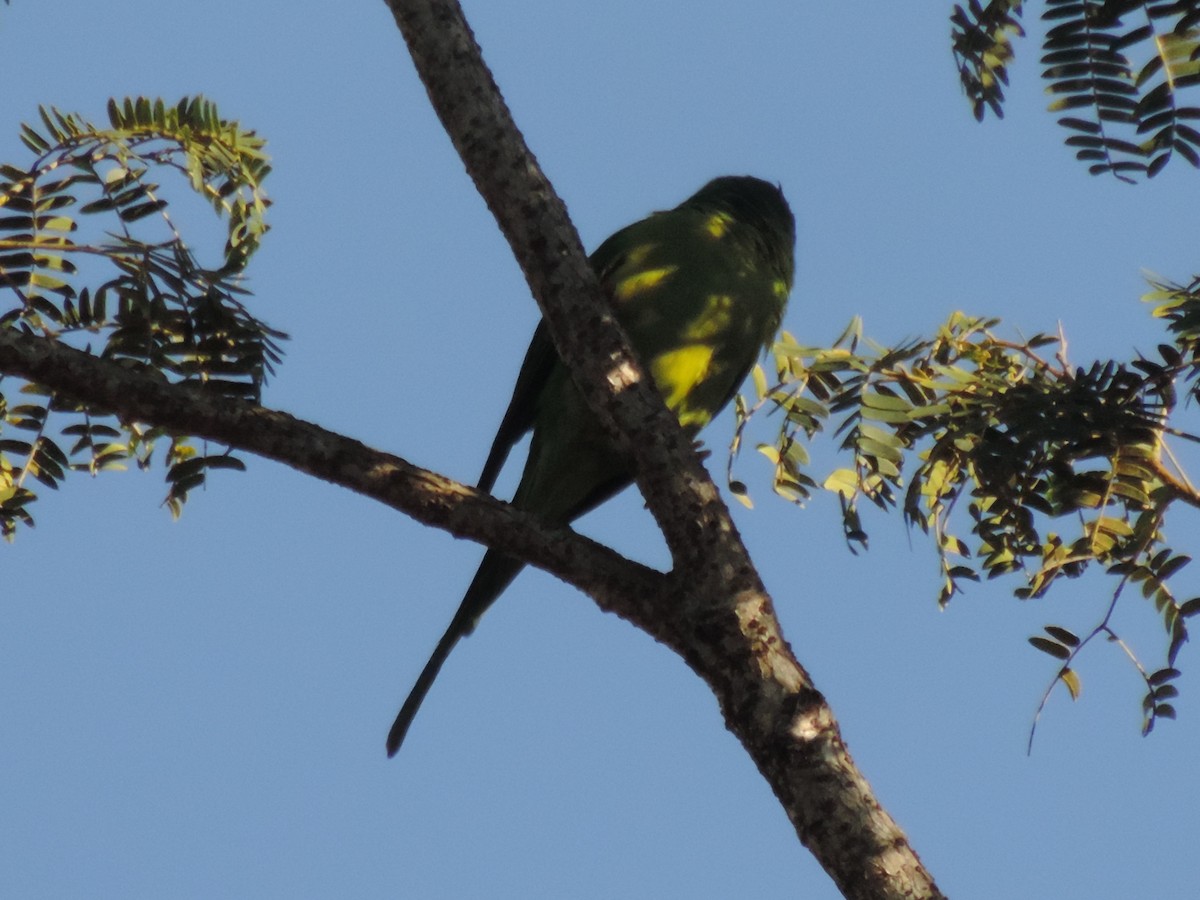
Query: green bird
(700, 290)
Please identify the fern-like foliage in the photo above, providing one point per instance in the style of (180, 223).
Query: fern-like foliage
(1116, 68)
(982, 45)
(147, 301)
(1017, 462)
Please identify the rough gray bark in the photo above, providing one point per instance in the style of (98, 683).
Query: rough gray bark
(426, 496)
(716, 609)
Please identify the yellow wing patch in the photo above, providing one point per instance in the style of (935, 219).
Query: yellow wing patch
(677, 373)
(714, 319)
(633, 285)
(717, 224)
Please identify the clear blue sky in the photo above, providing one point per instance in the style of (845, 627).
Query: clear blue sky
(198, 709)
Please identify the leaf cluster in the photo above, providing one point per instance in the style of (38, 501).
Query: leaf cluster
(981, 39)
(1012, 461)
(1116, 68)
(148, 302)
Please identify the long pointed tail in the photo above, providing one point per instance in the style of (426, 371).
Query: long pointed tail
(495, 573)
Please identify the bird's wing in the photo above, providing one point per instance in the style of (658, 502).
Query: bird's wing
(608, 259)
(540, 360)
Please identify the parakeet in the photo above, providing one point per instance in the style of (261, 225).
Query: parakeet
(700, 290)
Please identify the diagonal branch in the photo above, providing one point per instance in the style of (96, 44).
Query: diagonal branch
(728, 632)
(617, 584)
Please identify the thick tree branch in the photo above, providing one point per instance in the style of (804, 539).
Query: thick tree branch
(729, 633)
(616, 583)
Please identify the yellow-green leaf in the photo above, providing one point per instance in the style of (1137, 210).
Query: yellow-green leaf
(842, 481)
(1071, 680)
